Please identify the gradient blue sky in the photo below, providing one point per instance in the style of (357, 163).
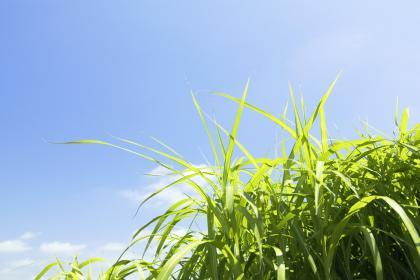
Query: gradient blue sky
(90, 69)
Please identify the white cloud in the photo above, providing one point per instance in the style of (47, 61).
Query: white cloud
(17, 269)
(164, 177)
(159, 171)
(57, 247)
(21, 263)
(113, 247)
(28, 235)
(167, 197)
(13, 246)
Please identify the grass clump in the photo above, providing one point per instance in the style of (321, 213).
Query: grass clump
(344, 209)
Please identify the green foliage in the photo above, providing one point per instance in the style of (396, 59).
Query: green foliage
(346, 209)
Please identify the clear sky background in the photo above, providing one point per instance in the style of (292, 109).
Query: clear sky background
(90, 69)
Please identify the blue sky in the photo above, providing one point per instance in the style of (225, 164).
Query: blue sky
(90, 69)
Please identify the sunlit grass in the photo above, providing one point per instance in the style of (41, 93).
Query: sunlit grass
(343, 209)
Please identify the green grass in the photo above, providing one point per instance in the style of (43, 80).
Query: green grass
(344, 209)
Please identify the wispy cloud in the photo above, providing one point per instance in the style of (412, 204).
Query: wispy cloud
(57, 247)
(13, 246)
(28, 235)
(19, 244)
(164, 177)
(16, 265)
(113, 247)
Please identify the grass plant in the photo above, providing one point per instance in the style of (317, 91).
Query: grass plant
(343, 209)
